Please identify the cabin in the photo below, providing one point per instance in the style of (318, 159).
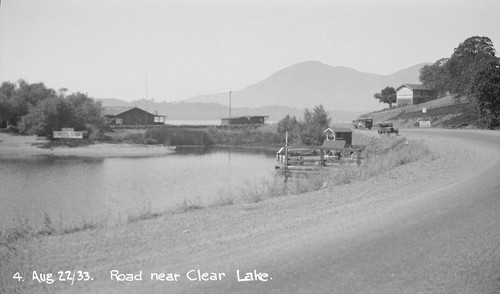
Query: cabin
(131, 116)
(245, 120)
(412, 94)
(338, 137)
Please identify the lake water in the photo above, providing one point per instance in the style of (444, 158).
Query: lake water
(72, 191)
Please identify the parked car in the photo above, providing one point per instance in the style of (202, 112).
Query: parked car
(387, 129)
(363, 123)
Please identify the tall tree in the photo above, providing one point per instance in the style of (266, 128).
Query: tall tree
(470, 57)
(436, 76)
(386, 95)
(7, 112)
(315, 122)
(486, 97)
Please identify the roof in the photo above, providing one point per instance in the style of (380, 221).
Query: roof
(415, 87)
(338, 130)
(246, 116)
(116, 110)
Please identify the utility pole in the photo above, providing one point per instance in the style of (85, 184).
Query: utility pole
(146, 114)
(229, 110)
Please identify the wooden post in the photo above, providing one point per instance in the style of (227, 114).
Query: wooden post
(286, 151)
(286, 156)
(358, 155)
(322, 157)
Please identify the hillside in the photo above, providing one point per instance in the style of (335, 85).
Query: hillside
(311, 83)
(446, 112)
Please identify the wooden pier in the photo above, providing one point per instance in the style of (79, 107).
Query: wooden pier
(314, 159)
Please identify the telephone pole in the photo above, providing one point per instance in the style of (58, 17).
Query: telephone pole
(229, 110)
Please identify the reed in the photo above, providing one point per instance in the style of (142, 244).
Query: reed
(179, 136)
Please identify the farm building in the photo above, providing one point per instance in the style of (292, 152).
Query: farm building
(131, 116)
(245, 120)
(412, 94)
(335, 135)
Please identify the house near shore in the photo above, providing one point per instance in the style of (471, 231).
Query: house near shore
(245, 120)
(412, 94)
(338, 137)
(131, 116)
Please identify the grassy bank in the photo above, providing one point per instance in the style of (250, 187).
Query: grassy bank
(381, 155)
(181, 136)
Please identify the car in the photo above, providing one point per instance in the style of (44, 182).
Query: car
(364, 123)
(387, 129)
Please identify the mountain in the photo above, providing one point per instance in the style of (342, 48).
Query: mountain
(310, 83)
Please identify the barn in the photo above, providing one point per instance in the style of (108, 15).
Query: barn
(245, 120)
(412, 94)
(131, 116)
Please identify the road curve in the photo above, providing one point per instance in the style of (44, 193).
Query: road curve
(442, 235)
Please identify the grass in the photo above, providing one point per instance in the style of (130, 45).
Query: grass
(181, 136)
(262, 136)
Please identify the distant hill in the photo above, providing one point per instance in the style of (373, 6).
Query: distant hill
(311, 83)
(214, 111)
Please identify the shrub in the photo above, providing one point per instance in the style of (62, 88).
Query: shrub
(179, 136)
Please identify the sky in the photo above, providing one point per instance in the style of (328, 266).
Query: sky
(172, 50)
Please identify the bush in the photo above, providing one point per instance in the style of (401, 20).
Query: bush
(178, 137)
(245, 136)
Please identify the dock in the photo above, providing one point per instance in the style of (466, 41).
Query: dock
(314, 160)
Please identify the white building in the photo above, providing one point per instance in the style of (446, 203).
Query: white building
(411, 94)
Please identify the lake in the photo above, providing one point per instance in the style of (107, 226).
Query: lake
(73, 191)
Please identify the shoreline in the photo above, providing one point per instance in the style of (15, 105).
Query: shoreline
(20, 146)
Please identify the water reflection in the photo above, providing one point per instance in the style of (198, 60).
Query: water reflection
(73, 191)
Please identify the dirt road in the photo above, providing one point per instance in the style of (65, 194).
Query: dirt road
(432, 226)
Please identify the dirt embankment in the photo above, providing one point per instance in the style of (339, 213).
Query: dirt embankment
(25, 146)
(446, 112)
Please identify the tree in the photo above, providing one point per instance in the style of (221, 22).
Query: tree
(470, 57)
(387, 95)
(436, 76)
(41, 111)
(290, 125)
(49, 115)
(16, 100)
(486, 97)
(7, 113)
(287, 124)
(87, 112)
(315, 122)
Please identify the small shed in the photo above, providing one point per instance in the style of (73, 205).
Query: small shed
(130, 116)
(338, 134)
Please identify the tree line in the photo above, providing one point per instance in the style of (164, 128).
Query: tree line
(37, 110)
